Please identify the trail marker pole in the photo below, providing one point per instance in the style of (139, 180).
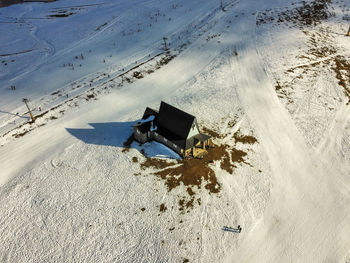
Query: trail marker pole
(30, 112)
(165, 46)
(348, 34)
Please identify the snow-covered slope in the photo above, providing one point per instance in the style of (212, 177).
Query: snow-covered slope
(268, 80)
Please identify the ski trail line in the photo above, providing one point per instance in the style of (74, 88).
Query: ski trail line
(307, 218)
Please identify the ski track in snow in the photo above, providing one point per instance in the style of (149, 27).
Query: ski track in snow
(305, 226)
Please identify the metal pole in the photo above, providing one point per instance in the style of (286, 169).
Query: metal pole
(165, 46)
(30, 112)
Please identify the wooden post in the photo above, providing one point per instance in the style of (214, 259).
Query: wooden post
(348, 34)
(30, 112)
(165, 46)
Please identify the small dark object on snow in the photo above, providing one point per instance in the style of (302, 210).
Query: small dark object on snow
(234, 230)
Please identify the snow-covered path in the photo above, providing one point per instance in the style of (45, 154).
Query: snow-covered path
(152, 88)
(299, 224)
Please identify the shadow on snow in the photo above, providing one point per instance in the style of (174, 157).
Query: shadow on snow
(116, 134)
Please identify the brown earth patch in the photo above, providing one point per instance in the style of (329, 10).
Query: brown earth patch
(212, 133)
(194, 173)
(190, 191)
(237, 156)
(191, 172)
(341, 68)
(321, 48)
(90, 96)
(321, 55)
(244, 138)
(162, 208)
(17, 135)
(305, 14)
(231, 124)
(134, 159)
(137, 75)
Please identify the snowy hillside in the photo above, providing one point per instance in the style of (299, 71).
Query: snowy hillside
(268, 80)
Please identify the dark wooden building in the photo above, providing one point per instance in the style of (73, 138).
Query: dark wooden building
(173, 127)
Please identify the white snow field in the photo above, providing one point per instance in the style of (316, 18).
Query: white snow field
(270, 78)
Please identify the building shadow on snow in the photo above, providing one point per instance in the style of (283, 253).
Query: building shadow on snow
(105, 133)
(116, 134)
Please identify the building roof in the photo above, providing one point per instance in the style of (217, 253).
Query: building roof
(174, 121)
(148, 112)
(175, 139)
(171, 123)
(151, 112)
(143, 126)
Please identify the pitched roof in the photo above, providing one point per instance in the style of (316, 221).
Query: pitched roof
(174, 121)
(148, 112)
(180, 142)
(144, 126)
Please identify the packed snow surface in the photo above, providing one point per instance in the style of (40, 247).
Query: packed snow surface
(269, 80)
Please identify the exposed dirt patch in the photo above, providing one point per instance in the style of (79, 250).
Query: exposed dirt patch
(189, 172)
(162, 208)
(212, 133)
(231, 123)
(341, 68)
(17, 135)
(90, 96)
(195, 173)
(134, 159)
(158, 163)
(190, 191)
(186, 204)
(304, 14)
(321, 54)
(239, 137)
(137, 75)
(237, 156)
